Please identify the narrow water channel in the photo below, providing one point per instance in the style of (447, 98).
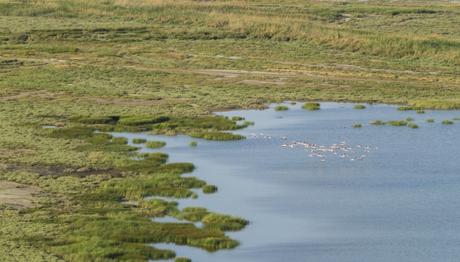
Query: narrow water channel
(317, 189)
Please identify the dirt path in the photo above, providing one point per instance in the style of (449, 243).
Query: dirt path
(17, 195)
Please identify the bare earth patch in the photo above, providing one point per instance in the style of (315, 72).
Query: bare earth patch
(17, 195)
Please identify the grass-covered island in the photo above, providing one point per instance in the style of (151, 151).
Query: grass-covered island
(73, 70)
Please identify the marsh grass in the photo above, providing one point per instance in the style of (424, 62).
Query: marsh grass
(123, 65)
(281, 108)
(430, 120)
(377, 123)
(209, 189)
(447, 122)
(93, 120)
(397, 123)
(359, 107)
(224, 222)
(357, 125)
(193, 144)
(142, 120)
(182, 259)
(311, 106)
(155, 144)
(237, 118)
(120, 140)
(413, 125)
(218, 136)
(139, 140)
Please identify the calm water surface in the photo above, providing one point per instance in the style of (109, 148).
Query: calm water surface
(399, 202)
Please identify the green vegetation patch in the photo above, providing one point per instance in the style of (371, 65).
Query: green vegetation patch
(209, 189)
(139, 140)
(397, 123)
(447, 122)
(224, 222)
(219, 136)
(155, 144)
(311, 106)
(359, 107)
(281, 108)
(357, 125)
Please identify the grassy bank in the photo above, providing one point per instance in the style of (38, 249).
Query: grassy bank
(164, 67)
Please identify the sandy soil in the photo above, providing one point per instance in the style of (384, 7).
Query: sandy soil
(17, 195)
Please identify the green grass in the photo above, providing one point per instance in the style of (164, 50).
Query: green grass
(219, 136)
(359, 107)
(164, 67)
(193, 144)
(182, 259)
(311, 106)
(397, 123)
(357, 125)
(447, 122)
(139, 140)
(412, 125)
(209, 189)
(155, 144)
(237, 118)
(430, 120)
(281, 108)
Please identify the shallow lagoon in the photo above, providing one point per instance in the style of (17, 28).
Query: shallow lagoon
(399, 203)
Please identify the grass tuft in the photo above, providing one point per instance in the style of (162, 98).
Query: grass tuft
(155, 144)
(281, 108)
(311, 106)
(359, 107)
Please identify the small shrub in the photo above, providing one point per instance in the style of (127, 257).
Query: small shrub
(311, 106)
(430, 120)
(281, 108)
(359, 107)
(209, 189)
(155, 144)
(139, 140)
(409, 119)
(193, 144)
(412, 125)
(357, 126)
